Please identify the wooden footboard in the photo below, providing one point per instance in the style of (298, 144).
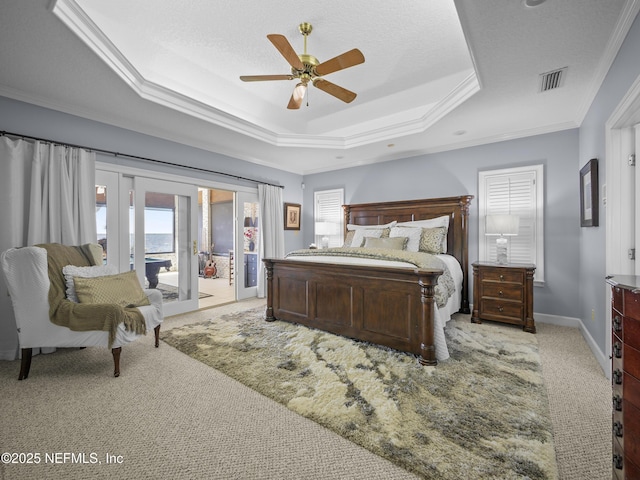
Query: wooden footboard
(393, 307)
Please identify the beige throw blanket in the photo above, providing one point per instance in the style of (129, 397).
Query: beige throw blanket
(83, 317)
(443, 290)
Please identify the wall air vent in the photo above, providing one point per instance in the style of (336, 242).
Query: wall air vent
(551, 80)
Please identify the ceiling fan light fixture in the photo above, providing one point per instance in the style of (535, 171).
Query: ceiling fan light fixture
(533, 3)
(297, 96)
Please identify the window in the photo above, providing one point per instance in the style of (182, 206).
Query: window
(514, 191)
(329, 218)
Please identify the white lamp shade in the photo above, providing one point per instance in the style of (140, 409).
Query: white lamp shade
(326, 228)
(502, 225)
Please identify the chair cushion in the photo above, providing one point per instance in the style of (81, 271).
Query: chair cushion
(71, 271)
(122, 289)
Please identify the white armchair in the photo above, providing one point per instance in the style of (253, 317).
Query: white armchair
(27, 278)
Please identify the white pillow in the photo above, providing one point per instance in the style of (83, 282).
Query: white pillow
(361, 233)
(430, 223)
(442, 221)
(351, 226)
(71, 271)
(413, 235)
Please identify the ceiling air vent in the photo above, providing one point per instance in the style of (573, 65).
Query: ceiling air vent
(551, 80)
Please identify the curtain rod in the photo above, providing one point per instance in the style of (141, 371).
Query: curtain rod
(136, 157)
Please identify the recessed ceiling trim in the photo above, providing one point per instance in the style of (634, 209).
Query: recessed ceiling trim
(72, 15)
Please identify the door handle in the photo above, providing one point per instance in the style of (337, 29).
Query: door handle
(195, 247)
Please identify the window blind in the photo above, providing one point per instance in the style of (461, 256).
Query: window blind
(516, 191)
(328, 208)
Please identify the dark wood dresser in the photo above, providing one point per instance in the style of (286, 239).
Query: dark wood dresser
(503, 293)
(625, 375)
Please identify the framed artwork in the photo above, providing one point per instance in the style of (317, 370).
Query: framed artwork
(589, 194)
(292, 216)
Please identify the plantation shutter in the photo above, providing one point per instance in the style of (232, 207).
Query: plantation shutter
(514, 191)
(328, 208)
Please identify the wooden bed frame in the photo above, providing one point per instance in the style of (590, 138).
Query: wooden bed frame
(383, 305)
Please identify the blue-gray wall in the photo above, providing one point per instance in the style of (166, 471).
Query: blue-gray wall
(456, 173)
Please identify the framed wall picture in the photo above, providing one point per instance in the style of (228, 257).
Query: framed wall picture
(589, 194)
(292, 216)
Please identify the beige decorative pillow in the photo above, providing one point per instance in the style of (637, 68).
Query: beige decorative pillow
(413, 235)
(432, 240)
(442, 221)
(395, 243)
(348, 240)
(70, 272)
(122, 289)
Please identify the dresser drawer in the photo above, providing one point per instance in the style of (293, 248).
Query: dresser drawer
(630, 388)
(631, 304)
(503, 275)
(631, 361)
(616, 298)
(631, 442)
(506, 291)
(630, 331)
(501, 309)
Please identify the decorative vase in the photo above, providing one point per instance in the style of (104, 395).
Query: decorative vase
(252, 246)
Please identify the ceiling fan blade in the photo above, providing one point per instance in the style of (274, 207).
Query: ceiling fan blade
(262, 78)
(297, 96)
(335, 90)
(346, 60)
(286, 50)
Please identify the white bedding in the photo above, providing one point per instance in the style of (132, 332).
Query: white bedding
(441, 315)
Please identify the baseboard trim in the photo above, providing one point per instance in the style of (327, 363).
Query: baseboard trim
(601, 358)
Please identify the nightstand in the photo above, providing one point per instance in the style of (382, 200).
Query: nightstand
(503, 293)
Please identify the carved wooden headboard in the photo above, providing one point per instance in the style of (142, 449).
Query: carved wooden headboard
(457, 208)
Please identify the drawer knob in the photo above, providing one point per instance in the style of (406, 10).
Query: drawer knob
(617, 403)
(618, 461)
(617, 350)
(501, 293)
(502, 277)
(617, 324)
(617, 376)
(617, 429)
(500, 309)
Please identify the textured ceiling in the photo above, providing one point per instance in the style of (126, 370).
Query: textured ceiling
(437, 76)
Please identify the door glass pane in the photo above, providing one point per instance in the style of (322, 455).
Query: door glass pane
(101, 219)
(161, 241)
(251, 241)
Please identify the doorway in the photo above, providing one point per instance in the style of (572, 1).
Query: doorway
(622, 132)
(216, 247)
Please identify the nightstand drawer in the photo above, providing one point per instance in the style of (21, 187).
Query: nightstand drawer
(503, 275)
(498, 308)
(496, 290)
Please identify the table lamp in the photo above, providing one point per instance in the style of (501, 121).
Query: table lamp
(503, 226)
(325, 229)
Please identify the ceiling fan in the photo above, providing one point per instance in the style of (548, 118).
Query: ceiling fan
(307, 69)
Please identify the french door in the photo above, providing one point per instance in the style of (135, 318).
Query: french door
(150, 226)
(248, 259)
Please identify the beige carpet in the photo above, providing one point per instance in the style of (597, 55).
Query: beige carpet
(169, 416)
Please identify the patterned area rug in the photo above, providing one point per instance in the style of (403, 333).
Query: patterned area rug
(482, 414)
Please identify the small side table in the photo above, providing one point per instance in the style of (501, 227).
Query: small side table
(503, 293)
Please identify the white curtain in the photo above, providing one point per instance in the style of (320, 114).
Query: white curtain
(47, 194)
(272, 238)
